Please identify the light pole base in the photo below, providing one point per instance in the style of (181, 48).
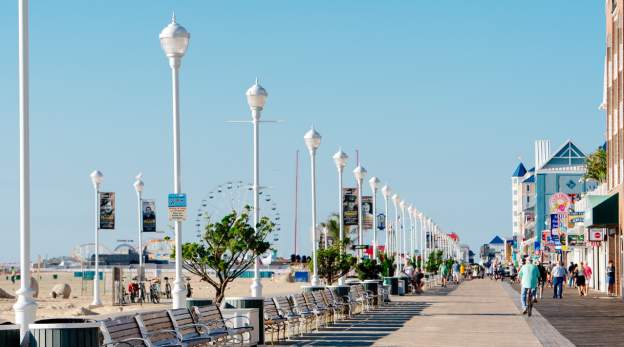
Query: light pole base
(179, 295)
(25, 311)
(96, 303)
(341, 281)
(256, 288)
(315, 280)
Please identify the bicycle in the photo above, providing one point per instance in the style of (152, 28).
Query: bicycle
(530, 299)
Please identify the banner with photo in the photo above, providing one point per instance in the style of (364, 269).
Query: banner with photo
(350, 206)
(368, 213)
(149, 216)
(107, 210)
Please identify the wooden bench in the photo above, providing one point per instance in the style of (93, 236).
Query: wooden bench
(159, 328)
(186, 324)
(318, 307)
(211, 316)
(303, 308)
(340, 306)
(274, 321)
(123, 331)
(294, 318)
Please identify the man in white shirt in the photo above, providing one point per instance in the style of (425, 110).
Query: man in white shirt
(558, 274)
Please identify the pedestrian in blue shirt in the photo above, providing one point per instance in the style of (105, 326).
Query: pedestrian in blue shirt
(558, 274)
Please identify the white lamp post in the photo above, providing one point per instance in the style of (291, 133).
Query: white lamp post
(396, 199)
(374, 185)
(410, 212)
(256, 98)
(312, 140)
(360, 173)
(96, 178)
(386, 192)
(403, 206)
(138, 187)
(340, 158)
(174, 40)
(25, 308)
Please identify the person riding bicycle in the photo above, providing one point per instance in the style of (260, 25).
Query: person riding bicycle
(529, 274)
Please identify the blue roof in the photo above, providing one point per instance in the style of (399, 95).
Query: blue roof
(531, 179)
(497, 241)
(520, 171)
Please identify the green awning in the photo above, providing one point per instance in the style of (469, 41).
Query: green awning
(603, 211)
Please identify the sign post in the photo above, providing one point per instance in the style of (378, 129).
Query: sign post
(177, 207)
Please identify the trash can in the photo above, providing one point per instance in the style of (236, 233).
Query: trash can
(9, 335)
(373, 286)
(54, 276)
(249, 302)
(64, 332)
(394, 284)
(401, 287)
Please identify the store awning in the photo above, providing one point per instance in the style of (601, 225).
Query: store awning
(602, 212)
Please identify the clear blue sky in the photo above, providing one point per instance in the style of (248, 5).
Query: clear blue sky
(440, 97)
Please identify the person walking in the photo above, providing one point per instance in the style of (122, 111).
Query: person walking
(558, 277)
(587, 271)
(529, 274)
(571, 269)
(444, 272)
(611, 278)
(13, 276)
(456, 272)
(580, 279)
(543, 278)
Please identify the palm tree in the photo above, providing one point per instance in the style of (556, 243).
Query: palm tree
(333, 229)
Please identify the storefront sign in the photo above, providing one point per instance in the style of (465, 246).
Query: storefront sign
(559, 203)
(596, 234)
(554, 221)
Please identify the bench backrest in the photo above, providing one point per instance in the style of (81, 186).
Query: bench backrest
(210, 316)
(300, 303)
(270, 309)
(284, 305)
(319, 298)
(121, 328)
(183, 321)
(309, 298)
(154, 322)
(329, 297)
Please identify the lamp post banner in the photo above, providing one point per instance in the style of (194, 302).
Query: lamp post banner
(367, 212)
(107, 210)
(149, 216)
(350, 206)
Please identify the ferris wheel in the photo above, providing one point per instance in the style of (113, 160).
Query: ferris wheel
(235, 196)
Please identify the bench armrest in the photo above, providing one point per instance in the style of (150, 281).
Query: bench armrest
(246, 319)
(166, 331)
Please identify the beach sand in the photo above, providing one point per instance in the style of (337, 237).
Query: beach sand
(80, 299)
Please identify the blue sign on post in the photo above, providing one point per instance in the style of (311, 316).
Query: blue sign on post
(177, 200)
(177, 207)
(381, 221)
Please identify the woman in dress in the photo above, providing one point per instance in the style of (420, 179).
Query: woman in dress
(579, 274)
(611, 278)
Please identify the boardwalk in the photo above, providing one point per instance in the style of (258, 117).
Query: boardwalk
(477, 313)
(596, 320)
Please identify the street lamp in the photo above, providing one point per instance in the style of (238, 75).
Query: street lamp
(312, 140)
(340, 159)
(410, 212)
(174, 40)
(396, 199)
(138, 187)
(360, 173)
(403, 205)
(96, 178)
(256, 98)
(25, 308)
(374, 185)
(386, 192)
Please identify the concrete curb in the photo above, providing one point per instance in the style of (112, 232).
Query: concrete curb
(542, 329)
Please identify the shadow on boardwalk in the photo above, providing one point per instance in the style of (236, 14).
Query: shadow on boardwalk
(367, 328)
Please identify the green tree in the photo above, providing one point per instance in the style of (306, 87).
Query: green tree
(434, 261)
(333, 230)
(229, 248)
(597, 166)
(333, 262)
(368, 269)
(388, 265)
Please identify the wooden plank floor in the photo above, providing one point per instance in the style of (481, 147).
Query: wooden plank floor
(594, 320)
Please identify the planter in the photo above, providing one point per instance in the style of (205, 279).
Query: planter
(373, 286)
(394, 284)
(249, 302)
(64, 334)
(9, 335)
